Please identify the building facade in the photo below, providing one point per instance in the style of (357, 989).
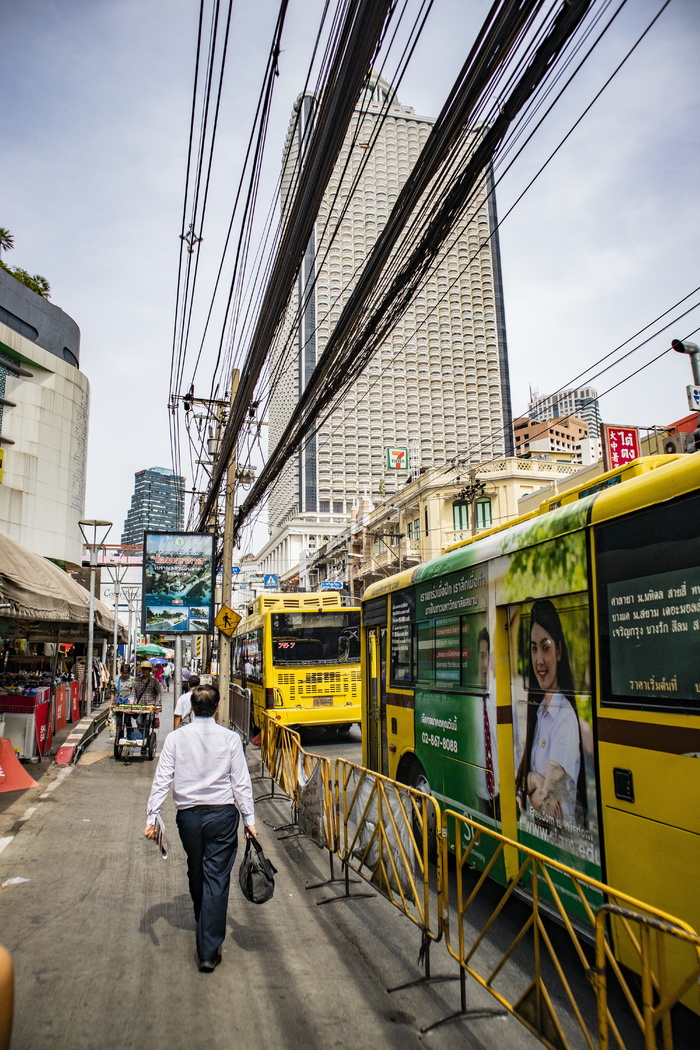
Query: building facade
(564, 440)
(44, 410)
(581, 402)
(439, 384)
(157, 505)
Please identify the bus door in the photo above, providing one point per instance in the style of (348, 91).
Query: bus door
(377, 753)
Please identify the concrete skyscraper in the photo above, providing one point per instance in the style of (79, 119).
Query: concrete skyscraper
(439, 384)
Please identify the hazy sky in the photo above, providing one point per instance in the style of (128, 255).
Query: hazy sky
(94, 122)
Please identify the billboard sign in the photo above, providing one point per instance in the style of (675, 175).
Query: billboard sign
(620, 446)
(178, 583)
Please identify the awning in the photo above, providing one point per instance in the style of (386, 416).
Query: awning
(33, 589)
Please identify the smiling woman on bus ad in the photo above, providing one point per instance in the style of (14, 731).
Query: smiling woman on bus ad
(551, 776)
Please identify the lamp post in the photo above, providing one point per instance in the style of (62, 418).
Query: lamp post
(132, 596)
(116, 574)
(94, 534)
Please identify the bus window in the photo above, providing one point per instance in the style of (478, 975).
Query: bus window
(649, 607)
(311, 638)
(403, 614)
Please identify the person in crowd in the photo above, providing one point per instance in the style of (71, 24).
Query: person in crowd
(183, 708)
(206, 765)
(146, 690)
(551, 778)
(123, 686)
(159, 675)
(185, 677)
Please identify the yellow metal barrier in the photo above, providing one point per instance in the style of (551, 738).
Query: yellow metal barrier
(538, 989)
(659, 994)
(381, 829)
(315, 800)
(383, 837)
(279, 747)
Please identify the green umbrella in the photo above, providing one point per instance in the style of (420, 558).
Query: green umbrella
(150, 650)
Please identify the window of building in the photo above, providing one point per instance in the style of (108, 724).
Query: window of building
(484, 515)
(324, 506)
(413, 530)
(460, 515)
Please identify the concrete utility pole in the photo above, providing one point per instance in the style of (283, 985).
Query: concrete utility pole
(227, 565)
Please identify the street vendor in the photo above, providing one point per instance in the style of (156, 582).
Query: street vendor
(146, 690)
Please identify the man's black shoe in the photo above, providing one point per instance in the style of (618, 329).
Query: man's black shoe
(207, 965)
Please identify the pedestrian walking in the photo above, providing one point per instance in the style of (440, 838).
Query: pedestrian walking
(206, 765)
(185, 677)
(182, 714)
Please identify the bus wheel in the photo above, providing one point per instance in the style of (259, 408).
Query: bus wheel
(417, 779)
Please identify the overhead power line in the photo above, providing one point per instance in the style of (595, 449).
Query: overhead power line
(364, 26)
(365, 322)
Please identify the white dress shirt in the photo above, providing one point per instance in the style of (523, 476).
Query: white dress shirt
(206, 764)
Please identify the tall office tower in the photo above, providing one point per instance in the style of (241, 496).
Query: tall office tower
(581, 402)
(157, 505)
(439, 384)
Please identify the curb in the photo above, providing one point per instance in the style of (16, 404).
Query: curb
(80, 736)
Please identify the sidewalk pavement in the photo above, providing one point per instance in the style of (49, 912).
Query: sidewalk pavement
(102, 937)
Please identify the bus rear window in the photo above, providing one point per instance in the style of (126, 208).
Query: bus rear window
(301, 638)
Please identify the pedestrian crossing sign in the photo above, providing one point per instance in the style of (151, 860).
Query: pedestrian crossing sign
(227, 620)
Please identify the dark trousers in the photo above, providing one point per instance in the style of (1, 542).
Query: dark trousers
(210, 837)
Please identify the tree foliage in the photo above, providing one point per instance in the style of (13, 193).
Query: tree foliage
(36, 282)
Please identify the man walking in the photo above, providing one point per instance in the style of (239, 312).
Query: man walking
(206, 764)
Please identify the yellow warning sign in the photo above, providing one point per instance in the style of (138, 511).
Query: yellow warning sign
(227, 620)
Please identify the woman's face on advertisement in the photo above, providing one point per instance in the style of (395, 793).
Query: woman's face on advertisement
(545, 655)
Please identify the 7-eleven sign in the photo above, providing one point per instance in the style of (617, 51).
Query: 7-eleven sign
(397, 459)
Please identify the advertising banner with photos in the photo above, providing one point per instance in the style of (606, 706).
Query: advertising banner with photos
(178, 583)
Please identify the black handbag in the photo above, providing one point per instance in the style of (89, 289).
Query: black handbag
(257, 874)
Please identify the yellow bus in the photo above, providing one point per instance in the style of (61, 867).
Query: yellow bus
(544, 680)
(299, 655)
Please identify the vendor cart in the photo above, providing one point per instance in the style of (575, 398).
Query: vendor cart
(135, 730)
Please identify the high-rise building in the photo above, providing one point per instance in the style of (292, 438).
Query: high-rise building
(157, 505)
(439, 384)
(44, 409)
(581, 402)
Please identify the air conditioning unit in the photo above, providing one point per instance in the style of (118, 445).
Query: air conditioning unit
(675, 443)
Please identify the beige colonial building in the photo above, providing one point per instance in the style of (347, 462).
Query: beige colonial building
(423, 517)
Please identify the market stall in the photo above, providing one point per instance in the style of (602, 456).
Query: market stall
(44, 617)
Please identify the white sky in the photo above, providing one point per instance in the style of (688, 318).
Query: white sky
(94, 123)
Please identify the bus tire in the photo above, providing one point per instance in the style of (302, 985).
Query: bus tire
(416, 778)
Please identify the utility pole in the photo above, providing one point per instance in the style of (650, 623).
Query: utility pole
(227, 565)
(471, 493)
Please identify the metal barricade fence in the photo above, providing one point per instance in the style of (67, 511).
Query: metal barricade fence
(651, 943)
(381, 830)
(384, 837)
(240, 702)
(538, 990)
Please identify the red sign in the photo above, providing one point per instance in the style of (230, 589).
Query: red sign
(620, 446)
(12, 774)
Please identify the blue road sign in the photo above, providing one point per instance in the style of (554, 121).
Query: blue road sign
(271, 581)
(332, 585)
(235, 569)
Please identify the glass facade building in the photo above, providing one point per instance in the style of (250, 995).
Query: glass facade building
(157, 505)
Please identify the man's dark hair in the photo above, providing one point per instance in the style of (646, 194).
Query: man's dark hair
(205, 700)
(194, 681)
(484, 637)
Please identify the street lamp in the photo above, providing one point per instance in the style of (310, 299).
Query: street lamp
(116, 575)
(94, 534)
